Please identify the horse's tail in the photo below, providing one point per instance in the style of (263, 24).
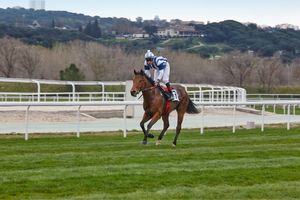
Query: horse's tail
(191, 109)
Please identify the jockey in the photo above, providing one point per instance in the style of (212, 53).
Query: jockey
(161, 68)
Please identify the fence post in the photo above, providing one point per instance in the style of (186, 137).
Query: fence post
(78, 122)
(125, 122)
(288, 117)
(234, 119)
(202, 120)
(263, 118)
(26, 121)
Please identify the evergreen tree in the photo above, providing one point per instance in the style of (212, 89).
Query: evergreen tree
(93, 29)
(88, 29)
(96, 31)
(72, 73)
(53, 24)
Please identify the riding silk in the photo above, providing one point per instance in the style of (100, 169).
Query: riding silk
(161, 68)
(158, 63)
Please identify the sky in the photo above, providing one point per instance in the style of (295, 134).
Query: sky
(262, 12)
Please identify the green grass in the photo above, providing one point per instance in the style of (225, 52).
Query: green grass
(217, 165)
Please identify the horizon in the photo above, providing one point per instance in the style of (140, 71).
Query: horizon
(266, 13)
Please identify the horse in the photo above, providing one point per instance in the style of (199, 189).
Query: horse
(156, 105)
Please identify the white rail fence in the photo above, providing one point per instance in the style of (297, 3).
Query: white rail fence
(233, 105)
(197, 92)
(273, 96)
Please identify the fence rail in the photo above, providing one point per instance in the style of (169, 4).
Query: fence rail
(61, 96)
(197, 92)
(273, 96)
(201, 105)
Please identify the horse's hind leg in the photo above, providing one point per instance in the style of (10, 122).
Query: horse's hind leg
(165, 119)
(178, 127)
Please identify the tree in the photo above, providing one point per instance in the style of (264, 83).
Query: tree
(53, 24)
(72, 73)
(88, 29)
(237, 67)
(96, 31)
(150, 29)
(8, 55)
(96, 58)
(266, 70)
(29, 59)
(93, 29)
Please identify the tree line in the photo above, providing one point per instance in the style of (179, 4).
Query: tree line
(94, 61)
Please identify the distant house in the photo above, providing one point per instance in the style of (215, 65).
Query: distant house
(169, 32)
(178, 31)
(140, 35)
(188, 31)
(287, 26)
(66, 27)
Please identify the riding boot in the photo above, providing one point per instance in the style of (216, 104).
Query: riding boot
(165, 94)
(171, 97)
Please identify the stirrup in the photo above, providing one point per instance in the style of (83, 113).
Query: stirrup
(171, 97)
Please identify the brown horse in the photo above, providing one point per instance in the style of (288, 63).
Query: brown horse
(155, 105)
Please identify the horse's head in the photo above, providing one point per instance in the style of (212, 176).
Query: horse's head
(140, 82)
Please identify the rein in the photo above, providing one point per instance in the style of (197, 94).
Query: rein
(149, 88)
(146, 89)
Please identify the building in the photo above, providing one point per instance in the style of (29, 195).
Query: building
(37, 4)
(178, 31)
(287, 26)
(140, 35)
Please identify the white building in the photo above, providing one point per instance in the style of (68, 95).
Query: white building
(182, 31)
(169, 32)
(287, 26)
(140, 35)
(37, 4)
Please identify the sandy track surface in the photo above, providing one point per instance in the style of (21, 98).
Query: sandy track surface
(89, 113)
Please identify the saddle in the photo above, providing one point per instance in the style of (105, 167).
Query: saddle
(173, 96)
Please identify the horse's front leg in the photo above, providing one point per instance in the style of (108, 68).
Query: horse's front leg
(154, 119)
(146, 118)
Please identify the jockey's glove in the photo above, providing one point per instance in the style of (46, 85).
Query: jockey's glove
(157, 82)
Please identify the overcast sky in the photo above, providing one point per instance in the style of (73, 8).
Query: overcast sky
(263, 12)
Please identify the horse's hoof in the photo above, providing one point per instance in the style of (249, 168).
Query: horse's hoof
(157, 142)
(144, 142)
(150, 135)
(173, 145)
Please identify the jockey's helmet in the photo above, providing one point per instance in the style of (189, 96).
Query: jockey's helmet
(149, 55)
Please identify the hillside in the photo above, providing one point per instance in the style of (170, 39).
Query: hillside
(25, 17)
(216, 38)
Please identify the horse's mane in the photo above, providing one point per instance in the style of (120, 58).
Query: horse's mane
(142, 72)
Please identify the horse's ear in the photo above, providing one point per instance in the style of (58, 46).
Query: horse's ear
(134, 72)
(142, 72)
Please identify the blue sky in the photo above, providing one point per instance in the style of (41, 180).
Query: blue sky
(264, 12)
